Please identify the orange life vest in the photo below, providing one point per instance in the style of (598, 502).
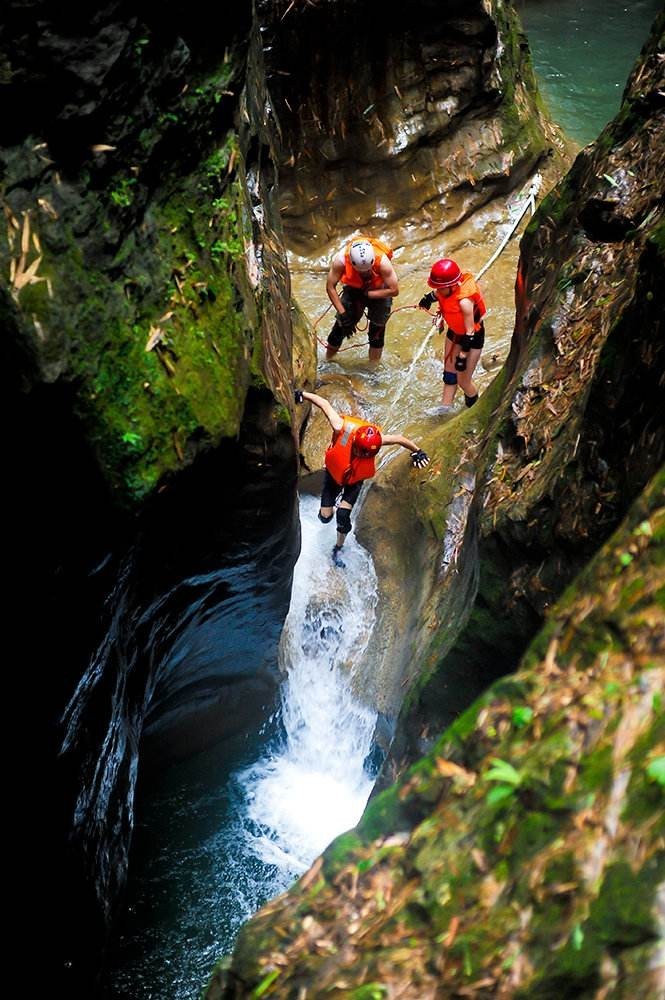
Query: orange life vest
(345, 467)
(371, 279)
(450, 307)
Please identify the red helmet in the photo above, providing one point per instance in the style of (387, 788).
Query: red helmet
(444, 274)
(367, 440)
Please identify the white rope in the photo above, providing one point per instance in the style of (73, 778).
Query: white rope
(430, 333)
(529, 202)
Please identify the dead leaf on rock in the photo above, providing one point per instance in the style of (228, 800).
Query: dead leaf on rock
(156, 334)
(311, 876)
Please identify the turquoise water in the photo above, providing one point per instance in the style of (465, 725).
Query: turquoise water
(583, 54)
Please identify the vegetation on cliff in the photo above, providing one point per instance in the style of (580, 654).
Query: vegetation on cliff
(523, 854)
(141, 273)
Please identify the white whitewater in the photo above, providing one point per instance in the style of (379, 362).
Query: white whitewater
(315, 785)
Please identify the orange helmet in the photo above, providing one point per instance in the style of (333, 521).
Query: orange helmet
(444, 274)
(367, 440)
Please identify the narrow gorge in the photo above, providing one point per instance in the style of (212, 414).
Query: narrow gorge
(173, 191)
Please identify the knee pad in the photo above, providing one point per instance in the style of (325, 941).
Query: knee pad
(470, 400)
(326, 520)
(376, 335)
(450, 378)
(343, 520)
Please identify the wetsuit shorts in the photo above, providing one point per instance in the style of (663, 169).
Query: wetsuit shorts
(478, 338)
(331, 490)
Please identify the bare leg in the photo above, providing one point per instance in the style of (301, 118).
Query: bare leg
(465, 379)
(448, 394)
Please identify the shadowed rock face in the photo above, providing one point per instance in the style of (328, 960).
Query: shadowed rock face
(141, 238)
(381, 120)
(147, 339)
(522, 856)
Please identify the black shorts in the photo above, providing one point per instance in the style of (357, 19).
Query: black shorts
(331, 490)
(477, 340)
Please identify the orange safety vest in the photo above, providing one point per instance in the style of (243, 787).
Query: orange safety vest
(450, 307)
(372, 279)
(345, 467)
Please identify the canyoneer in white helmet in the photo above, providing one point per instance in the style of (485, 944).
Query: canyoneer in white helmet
(368, 282)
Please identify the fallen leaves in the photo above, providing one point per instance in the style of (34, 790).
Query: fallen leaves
(22, 272)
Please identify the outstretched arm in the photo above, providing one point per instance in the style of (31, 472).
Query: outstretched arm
(331, 413)
(419, 458)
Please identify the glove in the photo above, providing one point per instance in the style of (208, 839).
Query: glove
(427, 301)
(466, 343)
(298, 396)
(346, 320)
(419, 459)
(460, 363)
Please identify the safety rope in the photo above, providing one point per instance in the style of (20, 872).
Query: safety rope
(529, 202)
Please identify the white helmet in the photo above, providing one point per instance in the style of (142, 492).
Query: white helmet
(361, 254)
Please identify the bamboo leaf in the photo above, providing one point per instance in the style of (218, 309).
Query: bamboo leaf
(22, 278)
(499, 793)
(266, 983)
(501, 770)
(25, 235)
(656, 770)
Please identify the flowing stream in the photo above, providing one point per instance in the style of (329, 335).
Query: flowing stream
(225, 831)
(315, 784)
(229, 846)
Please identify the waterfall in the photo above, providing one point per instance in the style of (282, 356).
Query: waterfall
(225, 843)
(314, 785)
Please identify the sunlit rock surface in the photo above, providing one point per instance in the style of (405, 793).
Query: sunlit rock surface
(546, 464)
(438, 111)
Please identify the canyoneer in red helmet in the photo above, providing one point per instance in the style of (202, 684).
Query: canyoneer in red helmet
(368, 282)
(462, 307)
(349, 461)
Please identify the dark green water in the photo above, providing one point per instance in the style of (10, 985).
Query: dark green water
(583, 53)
